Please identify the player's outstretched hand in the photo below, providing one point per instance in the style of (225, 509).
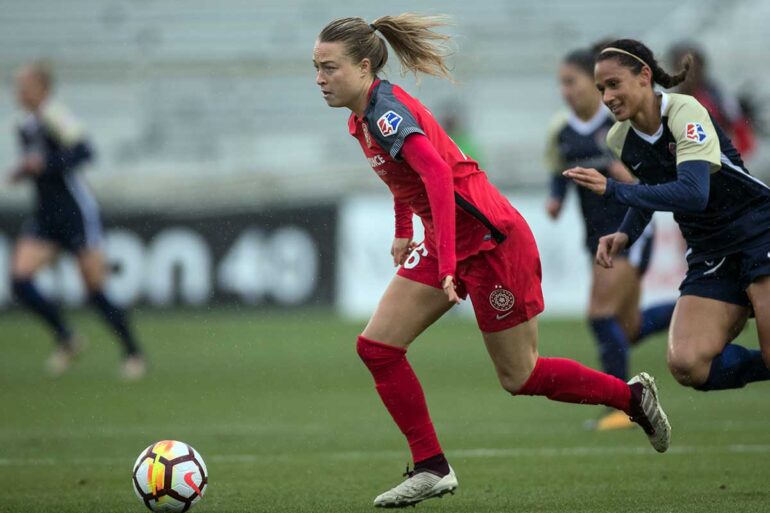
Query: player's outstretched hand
(589, 178)
(450, 289)
(609, 246)
(400, 250)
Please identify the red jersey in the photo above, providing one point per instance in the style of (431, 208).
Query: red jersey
(483, 216)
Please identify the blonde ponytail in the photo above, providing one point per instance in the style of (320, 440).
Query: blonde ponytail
(419, 48)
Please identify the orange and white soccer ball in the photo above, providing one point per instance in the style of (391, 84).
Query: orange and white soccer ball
(169, 476)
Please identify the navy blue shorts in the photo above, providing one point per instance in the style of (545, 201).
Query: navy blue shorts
(727, 278)
(640, 252)
(73, 232)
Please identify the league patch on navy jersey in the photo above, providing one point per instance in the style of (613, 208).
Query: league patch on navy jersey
(695, 132)
(388, 123)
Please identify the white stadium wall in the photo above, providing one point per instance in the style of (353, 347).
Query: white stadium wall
(365, 267)
(337, 254)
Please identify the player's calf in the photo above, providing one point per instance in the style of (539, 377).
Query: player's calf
(28, 294)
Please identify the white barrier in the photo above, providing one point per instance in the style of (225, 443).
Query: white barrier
(365, 267)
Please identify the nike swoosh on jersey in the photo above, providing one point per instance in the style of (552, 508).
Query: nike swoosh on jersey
(503, 316)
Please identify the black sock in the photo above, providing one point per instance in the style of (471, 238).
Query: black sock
(116, 317)
(435, 464)
(28, 295)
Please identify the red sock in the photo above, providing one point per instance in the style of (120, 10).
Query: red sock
(401, 392)
(568, 381)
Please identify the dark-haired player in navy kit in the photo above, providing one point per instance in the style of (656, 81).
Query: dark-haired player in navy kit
(687, 165)
(66, 216)
(577, 138)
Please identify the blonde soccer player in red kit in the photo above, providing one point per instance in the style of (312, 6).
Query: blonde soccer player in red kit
(476, 244)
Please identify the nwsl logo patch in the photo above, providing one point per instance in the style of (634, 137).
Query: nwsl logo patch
(388, 123)
(695, 132)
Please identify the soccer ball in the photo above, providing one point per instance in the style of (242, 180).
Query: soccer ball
(169, 476)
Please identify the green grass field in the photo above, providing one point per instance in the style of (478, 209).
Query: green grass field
(287, 420)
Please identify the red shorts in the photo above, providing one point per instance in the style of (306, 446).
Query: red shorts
(503, 283)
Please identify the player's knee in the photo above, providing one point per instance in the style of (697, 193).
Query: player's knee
(689, 370)
(93, 287)
(377, 355)
(512, 380)
(512, 385)
(602, 305)
(93, 281)
(602, 310)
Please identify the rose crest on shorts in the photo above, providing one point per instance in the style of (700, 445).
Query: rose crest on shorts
(501, 299)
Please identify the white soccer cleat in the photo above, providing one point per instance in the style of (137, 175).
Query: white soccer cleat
(62, 357)
(416, 488)
(133, 368)
(648, 413)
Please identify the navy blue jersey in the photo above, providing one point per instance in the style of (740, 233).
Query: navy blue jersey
(66, 212)
(737, 215)
(572, 142)
(58, 138)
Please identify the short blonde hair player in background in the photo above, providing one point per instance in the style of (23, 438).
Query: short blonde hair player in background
(54, 147)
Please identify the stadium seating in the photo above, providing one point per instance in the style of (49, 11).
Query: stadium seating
(223, 91)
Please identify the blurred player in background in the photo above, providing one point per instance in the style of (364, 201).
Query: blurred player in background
(725, 109)
(475, 244)
(454, 120)
(53, 148)
(687, 165)
(578, 139)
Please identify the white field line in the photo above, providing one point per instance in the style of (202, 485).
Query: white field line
(14, 434)
(79, 432)
(543, 452)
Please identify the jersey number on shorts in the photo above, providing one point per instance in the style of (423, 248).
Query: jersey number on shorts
(414, 258)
